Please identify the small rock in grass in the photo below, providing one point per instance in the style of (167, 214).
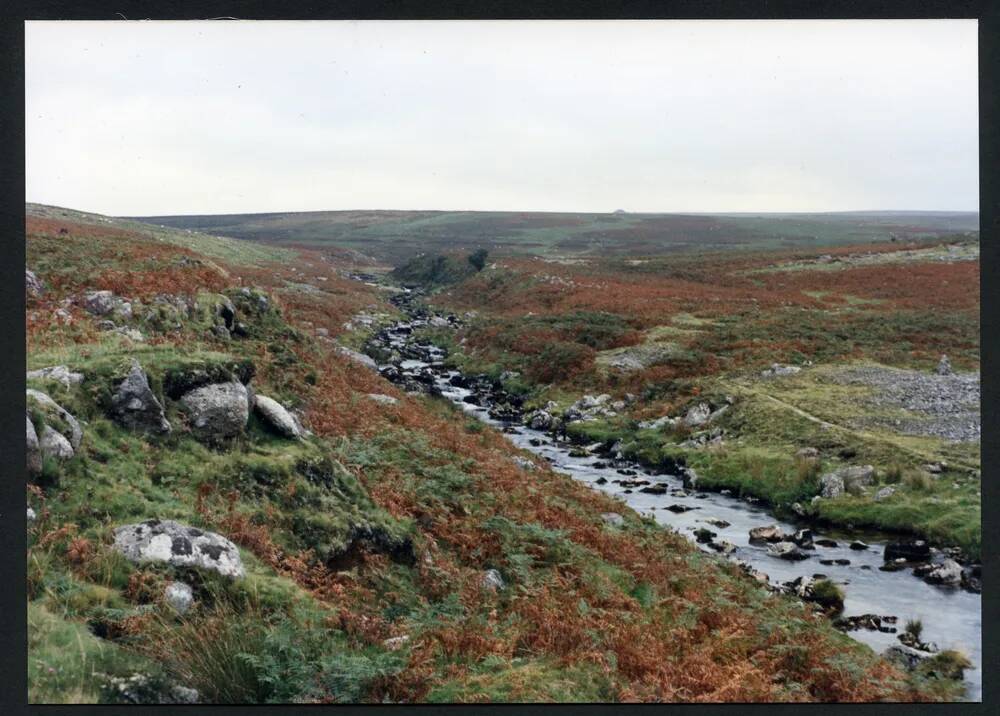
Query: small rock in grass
(396, 643)
(492, 581)
(382, 399)
(613, 518)
(59, 373)
(179, 596)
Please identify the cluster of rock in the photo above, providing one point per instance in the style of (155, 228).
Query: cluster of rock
(57, 437)
(777, 370)
(790, 547)
(696, 416)
(216, 411)
(851, 479)
(943, 404)
(939, 567)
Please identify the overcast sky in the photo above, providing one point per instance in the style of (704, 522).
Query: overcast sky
(133, 118)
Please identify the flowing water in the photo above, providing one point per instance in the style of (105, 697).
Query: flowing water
(952, 617)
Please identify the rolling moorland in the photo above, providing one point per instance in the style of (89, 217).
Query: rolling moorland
(230, 503)
(396, 236)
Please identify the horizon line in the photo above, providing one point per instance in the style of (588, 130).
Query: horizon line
(530, 211)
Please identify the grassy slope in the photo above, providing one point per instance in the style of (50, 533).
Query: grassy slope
(719, 319)
(590, 612)
(397, 235)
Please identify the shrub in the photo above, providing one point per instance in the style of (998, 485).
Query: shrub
(828, 595)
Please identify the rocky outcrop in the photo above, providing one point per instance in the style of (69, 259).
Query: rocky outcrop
(99, 303)
(276, 417)
(59, 373)
(178, 545)
(698, 415)
(217, 411)
(73, 431)
(134, 405)
(853, 479)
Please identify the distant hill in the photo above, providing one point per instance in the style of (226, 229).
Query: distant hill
(399, 235)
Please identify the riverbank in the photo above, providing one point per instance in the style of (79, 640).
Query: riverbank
(873, 576)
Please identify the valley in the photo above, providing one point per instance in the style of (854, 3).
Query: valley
(537, 475)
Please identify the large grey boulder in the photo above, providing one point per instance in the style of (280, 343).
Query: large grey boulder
(831, 485)
(59, 373)
(99, 303)
(134, 405)
(178, 545)
(852, 479)
(276, 417)
(218, 410)
(771, 533)
(54, 444)
(32, 284)
(75, 431)
(948, 572)
(34, 450)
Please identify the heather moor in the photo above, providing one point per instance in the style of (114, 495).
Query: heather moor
(607, 370)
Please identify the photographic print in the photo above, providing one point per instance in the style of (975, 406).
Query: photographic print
(502, 361)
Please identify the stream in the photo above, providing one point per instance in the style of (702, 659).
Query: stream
(951, 616)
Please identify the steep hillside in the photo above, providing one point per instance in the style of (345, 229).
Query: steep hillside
(228, 506)
(397, 236)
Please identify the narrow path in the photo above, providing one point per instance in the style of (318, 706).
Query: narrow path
(862, 434)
